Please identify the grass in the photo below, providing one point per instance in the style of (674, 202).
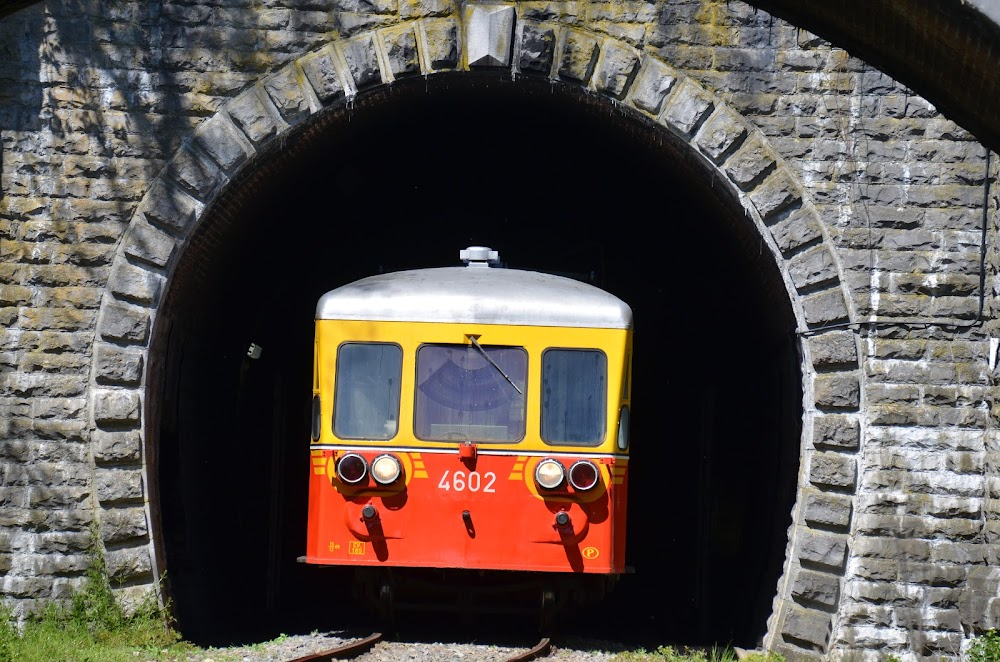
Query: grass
(670, 654)
(92, 627)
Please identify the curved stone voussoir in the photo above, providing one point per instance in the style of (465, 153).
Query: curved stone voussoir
(327, 75)
(399, 50)
(169, 207)
(834, 470)
(808, 630)
(688, 106)
(439, 45)
(721, 134)
(134, 283)
(822, 550)
(578, 56)
(198, 174)
(535, 46)
(289, 95)
(361, 60)
(812, 267)
(836, 431)
(255, 114)
(219, 137)
(654, 82)
(616, 69)
(833, 349)
(776, 193)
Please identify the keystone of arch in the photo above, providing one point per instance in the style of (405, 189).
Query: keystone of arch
(737, 154)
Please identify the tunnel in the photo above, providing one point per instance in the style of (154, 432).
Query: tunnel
(556, 180)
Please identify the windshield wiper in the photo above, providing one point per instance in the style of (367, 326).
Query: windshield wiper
(493, 363)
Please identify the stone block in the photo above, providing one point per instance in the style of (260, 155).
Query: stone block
(825, 307)
(440, 43)
(835, 430)
(125, 322)
(836, 348)
(816, 589)
(254, 114)
(129, 563)
(195, 172)
(579, 56)
(617, 69)
(775, 194)
(62, 542)
(536, 47)
(837, 390)
(489, 31)
(795, 230)
(284, 88)
(115, 485)
(115, 407)
(833, 470)
(688, 106)
(806, 627)
(169, 207)
(121, 524)
(362, 62)
(832, 511)
(750, 164)
(133, 283)
(812, 267)
(822, 549)
(116, 446)
(221, 140)
(320, 69)
(722, 133)
(118, 365)
(401, 54)
(654, 82)
(149, 244)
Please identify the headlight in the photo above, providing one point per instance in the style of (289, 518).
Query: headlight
(550, 474)
(386, 469)
(583, 475)
(351, 468)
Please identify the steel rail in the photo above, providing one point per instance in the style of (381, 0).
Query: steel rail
(345, 651)
(541, 649)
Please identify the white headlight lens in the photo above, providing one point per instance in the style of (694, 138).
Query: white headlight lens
(549, 474)
(386, 469)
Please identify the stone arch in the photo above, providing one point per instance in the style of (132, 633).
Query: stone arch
(726, 144)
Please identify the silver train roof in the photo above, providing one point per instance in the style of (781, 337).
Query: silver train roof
(476, 294)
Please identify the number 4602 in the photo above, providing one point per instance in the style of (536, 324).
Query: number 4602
(472, 481)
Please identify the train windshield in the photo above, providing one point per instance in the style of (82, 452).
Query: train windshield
(574, 396)
(470, 393)
(366, 399)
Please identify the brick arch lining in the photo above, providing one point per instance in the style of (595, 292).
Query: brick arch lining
(729, 146)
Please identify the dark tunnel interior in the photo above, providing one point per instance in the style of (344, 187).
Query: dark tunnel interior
(556, 180)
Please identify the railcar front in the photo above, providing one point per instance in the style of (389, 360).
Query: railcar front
(470, 418)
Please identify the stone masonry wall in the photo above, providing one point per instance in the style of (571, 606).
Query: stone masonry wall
(119, 129)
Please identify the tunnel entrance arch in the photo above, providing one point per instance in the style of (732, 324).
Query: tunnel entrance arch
(261, 154)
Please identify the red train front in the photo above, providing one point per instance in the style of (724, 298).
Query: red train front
(471, 418)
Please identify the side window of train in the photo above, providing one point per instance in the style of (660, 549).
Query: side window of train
(574, 396)
(468, 393)
(366, 395)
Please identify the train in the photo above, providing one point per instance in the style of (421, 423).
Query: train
(470, 432)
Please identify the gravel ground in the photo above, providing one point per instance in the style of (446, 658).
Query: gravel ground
(288, 648)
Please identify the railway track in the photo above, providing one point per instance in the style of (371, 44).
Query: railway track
(359, 647)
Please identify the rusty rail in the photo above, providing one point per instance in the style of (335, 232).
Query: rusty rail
(344, 651)
(541, 649)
